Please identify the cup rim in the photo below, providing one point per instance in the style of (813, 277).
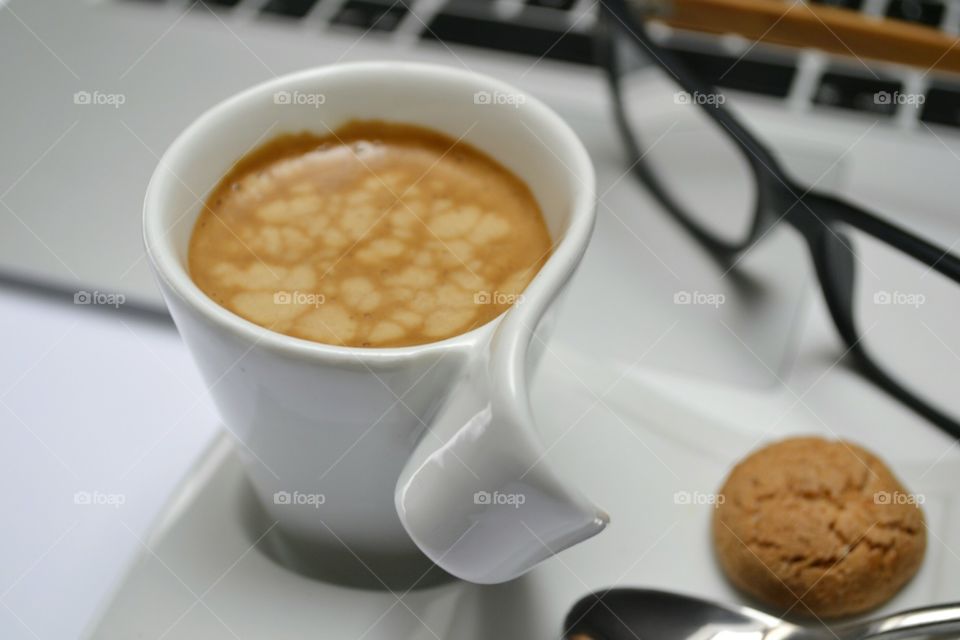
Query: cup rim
(169, 269)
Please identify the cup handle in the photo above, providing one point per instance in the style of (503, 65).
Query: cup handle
(478, 496)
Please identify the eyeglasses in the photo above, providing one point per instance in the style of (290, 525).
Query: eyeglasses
(892, 295)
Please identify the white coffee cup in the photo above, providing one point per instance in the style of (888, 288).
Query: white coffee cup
(386, 454)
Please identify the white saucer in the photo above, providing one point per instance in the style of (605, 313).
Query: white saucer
(206, 571)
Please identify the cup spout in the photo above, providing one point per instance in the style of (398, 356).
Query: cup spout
(479, 497)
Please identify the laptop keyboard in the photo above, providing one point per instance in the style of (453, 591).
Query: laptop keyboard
(561, 30)
(853, 5)
(289, 8)
(564, 5)
(858, 92)
(768, 77)
(919, 11)
(370, 15)
(514, 37)
(942, 106)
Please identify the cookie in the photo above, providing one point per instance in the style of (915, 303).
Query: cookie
(817, 527)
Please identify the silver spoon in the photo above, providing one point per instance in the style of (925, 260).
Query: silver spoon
(644, 614)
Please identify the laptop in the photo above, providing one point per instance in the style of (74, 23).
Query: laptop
(95, 90)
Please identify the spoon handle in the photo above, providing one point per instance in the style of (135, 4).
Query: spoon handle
(931, 621)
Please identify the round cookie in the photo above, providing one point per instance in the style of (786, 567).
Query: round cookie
(817, 527)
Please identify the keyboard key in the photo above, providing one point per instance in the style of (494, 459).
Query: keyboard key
(563, 5)
(288, 8)
(372, 15)
(858, 93)
(921, 11)
(853, 5)
(942, 106)
(512, 37)
(764, 77)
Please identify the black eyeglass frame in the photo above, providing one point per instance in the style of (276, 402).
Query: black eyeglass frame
(814, 214)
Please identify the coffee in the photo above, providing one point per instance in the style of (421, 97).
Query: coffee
(376, 235)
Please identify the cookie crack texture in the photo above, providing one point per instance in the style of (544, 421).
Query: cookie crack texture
(801, 520)
(901, 527)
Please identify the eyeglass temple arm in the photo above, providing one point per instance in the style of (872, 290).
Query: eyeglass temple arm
(935, 257)
(799, 24)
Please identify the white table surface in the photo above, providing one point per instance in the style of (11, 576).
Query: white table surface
(91, 400)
